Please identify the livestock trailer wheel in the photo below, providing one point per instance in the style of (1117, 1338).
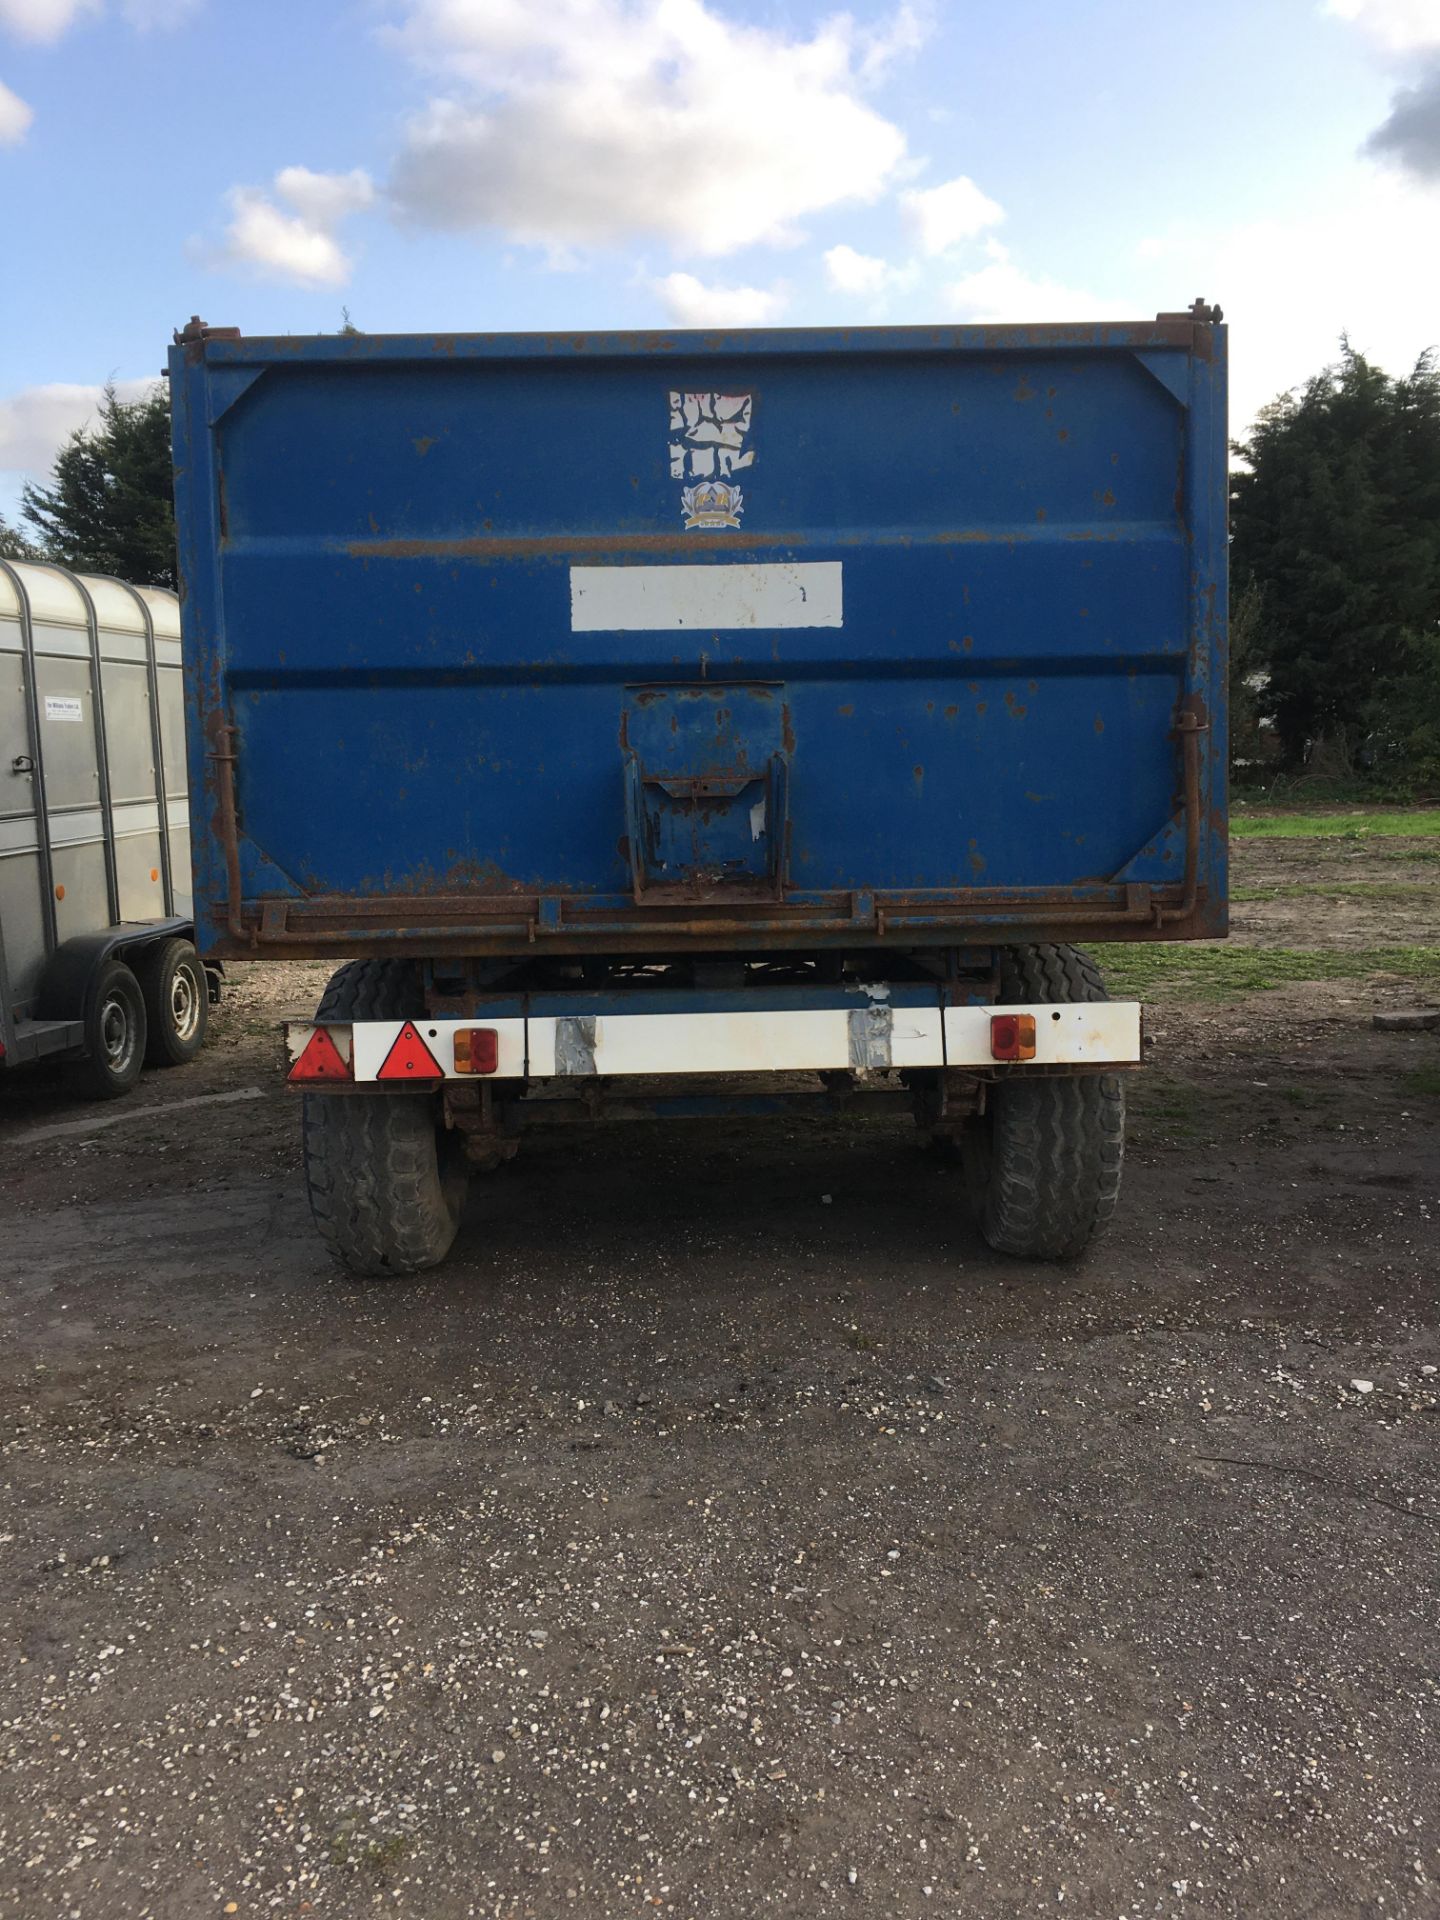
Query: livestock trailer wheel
(385, 1177)
(1044, 1160)
(115, 1029)
(177, 1002)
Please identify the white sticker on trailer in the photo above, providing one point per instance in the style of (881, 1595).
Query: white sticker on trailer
(725, 597)
(64, 706)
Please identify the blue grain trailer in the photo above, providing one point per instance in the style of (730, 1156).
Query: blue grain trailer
(687, 722)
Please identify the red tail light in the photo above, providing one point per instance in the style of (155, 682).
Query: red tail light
(477, 1050)
(1012, 1036)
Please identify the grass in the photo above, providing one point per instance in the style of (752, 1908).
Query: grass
(1363, 824)
(1274, 789)
(1306, 1098)
(1424, 1080)
(1173, 1111)
(378, 1853)
(1344, 889)
(1403, 853)
(1155, 972)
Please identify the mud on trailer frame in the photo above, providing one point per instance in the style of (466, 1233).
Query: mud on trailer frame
(98, 966)
(658, 715)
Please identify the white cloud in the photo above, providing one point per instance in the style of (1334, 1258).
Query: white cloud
(15, 117)
(325, 199)
(37, 421)
(691, 303)
(298, 245)
(148, 16)
(1003, 291)
(941, 217)
(1363, 273)
(1402, 26)
(590, 122)
(897, 38)
(43, 21)
(850, 272)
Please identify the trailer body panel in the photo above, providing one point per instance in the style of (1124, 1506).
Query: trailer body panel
(777, 640)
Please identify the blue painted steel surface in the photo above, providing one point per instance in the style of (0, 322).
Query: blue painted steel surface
(397, 733)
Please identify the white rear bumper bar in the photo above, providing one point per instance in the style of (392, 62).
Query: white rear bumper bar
(871, 1038)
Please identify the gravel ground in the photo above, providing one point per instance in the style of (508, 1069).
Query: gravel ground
(724, 1531)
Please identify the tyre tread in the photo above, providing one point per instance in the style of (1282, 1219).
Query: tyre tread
(152, 971)
(89, 1076)
(1058, 1143)
(379, 1196)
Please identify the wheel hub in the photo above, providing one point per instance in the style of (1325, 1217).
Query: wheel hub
(184, 1004)
(116, 1033)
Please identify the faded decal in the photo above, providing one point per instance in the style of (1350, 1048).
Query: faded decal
(870, 1039)
(710, 598)
(712, 503)
(575, 1038)
(708, 433)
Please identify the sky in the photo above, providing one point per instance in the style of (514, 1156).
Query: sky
(474, 165)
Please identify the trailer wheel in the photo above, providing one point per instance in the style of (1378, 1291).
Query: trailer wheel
(114, 1035)
(385, 1178)
(1044, 1161)
(177, 1002)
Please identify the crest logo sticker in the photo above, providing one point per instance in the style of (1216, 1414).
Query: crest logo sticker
(712, 503)
(708, 433)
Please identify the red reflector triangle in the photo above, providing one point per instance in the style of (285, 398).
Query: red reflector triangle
(320, 1061)
(410, 1058)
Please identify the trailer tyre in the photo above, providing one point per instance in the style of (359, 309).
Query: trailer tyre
(385, 1178)
(177, 1002)
(114, 1035)
(1045, 1160)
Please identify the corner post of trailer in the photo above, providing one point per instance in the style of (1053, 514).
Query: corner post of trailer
(37, 755)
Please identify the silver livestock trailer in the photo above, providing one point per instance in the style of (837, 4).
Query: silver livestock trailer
(97, 957)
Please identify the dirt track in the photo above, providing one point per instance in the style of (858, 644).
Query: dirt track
(1368, 894)
(725, 1531)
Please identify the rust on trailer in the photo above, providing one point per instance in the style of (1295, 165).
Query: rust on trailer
(220, 737)
(474, 902)
(556, 545)
(1185, 330)
(466, 877)
(1190, 724)
(390, 846)
(194, 334)
(480, 1120)
(473, 924)
(561, 546)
